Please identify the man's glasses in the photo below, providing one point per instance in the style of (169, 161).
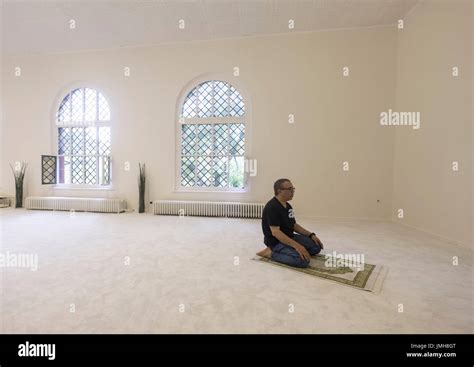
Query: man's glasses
(288, 188)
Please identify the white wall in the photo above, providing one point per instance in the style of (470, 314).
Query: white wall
(337, 118)
(437, 36)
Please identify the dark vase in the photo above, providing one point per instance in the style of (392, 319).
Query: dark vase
(141, 188)
(141, 202)
(19, 174)
(19, 195)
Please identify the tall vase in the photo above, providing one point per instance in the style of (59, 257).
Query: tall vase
(19, 174)
(141, 188)
(19, 195)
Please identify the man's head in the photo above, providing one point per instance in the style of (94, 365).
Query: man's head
(283, 188)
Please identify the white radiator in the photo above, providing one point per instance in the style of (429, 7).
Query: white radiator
(4, 202)
(76, 204)
(208, 208)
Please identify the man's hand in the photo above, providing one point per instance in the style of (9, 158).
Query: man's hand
(304, 254)
(317, 241)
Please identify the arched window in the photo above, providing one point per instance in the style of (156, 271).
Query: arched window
(212, 137)
(83, 123)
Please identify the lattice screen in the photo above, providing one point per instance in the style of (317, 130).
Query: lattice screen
(48, 169)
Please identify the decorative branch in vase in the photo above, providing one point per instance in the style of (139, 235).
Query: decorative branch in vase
(19, 174)
(141, 188)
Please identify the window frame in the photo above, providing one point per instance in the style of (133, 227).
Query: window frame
(96, 124)
(245, 119)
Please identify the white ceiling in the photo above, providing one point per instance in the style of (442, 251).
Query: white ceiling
(44, 25)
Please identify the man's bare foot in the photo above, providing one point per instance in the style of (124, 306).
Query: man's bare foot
(265, 253)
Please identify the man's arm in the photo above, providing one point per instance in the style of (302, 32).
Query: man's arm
(283, 238)
(301, 230)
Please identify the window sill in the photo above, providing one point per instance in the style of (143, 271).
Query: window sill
(244, 191)
(85, 188)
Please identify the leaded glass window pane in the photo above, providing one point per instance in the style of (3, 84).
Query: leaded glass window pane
(104, 140)
(203, 171)
(220, 139)
(221, 100)
(90, 170)
(204, 139)
(77, 101)
(77, 169)
(91, 140)
(91, 104)
(187, 171)
(236, 103)
(77, 140)
(219, 173)
(189, 105)
(188, 139)
(64, 140)
(236, 172)
(64, 113)
(104, 109)
(205, 99)
(236, 139)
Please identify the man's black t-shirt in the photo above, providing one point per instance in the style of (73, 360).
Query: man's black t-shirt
(275, 214)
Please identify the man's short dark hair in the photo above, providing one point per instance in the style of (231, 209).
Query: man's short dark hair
(278, 184)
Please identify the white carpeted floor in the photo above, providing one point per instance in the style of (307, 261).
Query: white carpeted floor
(187, 264)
